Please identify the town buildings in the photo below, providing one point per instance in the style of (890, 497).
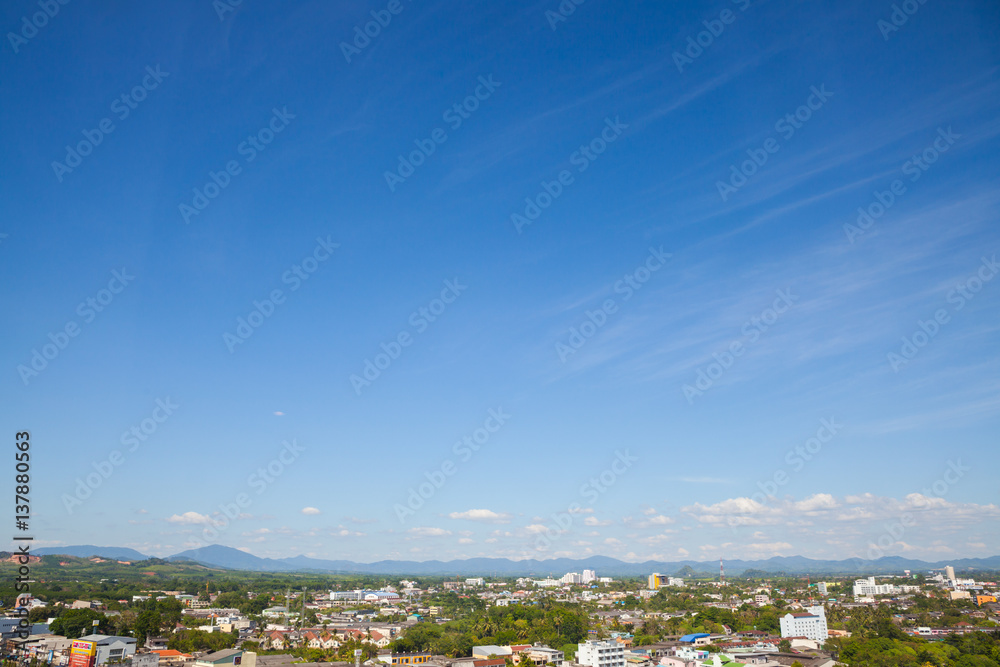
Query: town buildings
(810, 623)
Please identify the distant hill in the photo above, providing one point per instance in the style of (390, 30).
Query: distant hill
(233, 559)
(218, 555)
(89, 551)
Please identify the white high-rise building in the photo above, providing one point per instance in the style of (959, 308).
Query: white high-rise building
(868, 587)
(572, 578)
(595, 653)
(949, 573)
(811, 624)
(588, 576)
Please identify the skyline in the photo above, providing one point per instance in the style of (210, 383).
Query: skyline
(216, 555)
(502, 272)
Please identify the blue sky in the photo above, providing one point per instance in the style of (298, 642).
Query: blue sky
(622, 144)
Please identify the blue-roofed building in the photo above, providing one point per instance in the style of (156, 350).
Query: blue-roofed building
(694, 637)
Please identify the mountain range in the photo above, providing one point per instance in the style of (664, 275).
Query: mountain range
(235, 559)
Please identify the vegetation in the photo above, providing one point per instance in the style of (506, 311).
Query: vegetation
(188, 641)
(973, 650)
(552, 624)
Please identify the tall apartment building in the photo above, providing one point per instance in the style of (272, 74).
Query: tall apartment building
(811, 624)
(655, 581)
(594, 653)
(588, 576)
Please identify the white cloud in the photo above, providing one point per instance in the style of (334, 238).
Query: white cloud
(661, 520)
(488, 516)
(344, 532)
(427, 531)
(191, 518)
(594, 521)
(819, 501)
(310, 510)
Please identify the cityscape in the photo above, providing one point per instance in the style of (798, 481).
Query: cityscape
(580, 618)
(524, 333)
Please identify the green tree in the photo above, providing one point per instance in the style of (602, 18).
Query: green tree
(148, 624)
(74, 623)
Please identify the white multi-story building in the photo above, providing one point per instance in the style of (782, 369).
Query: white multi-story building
(572, 578)
(543, 655)
(361, 595)
(868, 587)
(545, 583)
(675, 581)
(595, 653)
(588, 576)
(654, 581)
(811, 624)
(821, 587)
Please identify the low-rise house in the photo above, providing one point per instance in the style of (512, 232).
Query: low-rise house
(229, 656)
(171, 658)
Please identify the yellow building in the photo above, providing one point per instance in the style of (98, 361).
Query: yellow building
(983, 599)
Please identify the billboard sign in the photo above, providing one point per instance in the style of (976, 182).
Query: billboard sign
(82, 654)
